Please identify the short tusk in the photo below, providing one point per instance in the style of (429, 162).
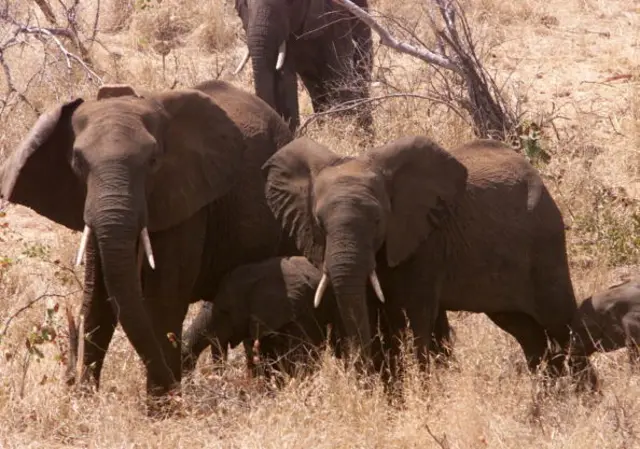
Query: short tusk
(282, 53)
(245, 58)
(322, 286)
(83, 244)
(146, 242)
(376, 286)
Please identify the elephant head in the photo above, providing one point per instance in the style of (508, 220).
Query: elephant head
(119, 167)
(343, 210)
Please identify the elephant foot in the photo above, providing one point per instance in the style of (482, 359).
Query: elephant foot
(585, 376)
(166, 405)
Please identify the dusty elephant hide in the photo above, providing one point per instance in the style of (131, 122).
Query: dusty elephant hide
(174, 175)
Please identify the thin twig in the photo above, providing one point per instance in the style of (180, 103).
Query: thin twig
(353, 104)
(29, 305)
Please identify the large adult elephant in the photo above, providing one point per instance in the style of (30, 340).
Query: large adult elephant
(428, 230)
(175, 175)
(327, 46)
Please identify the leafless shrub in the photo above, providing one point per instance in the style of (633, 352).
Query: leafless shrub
(458, 79)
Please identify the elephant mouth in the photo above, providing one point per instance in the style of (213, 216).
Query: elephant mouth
(144, 246)
(324, 283)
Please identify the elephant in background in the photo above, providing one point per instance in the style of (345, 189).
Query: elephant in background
(328, 47)
(429, 230)
(269, 301)
(175, 175)
(610, 320)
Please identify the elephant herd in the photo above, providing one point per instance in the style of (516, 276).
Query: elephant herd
(205, 194)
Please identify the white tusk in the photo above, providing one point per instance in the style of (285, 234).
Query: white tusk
(83, 244)
(146, 242)
(376, 285)
(282, 53)
(245, 58)
(322, 286)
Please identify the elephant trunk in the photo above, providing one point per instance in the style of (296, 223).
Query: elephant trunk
(116, 220)
(349, 270)
(266, 33)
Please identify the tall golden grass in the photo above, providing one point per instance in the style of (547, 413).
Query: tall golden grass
(556, 53)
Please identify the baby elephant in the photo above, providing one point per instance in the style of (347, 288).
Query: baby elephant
(610, 320)
(270, 302)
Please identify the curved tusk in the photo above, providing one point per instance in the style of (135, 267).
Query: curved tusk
(282, 53)
(83, 244)
(376, 286)
(146, 243)
(245, 58)
(322, 286)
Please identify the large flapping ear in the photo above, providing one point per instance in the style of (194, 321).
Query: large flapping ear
(419, 176)
(38, 173)
(290, 174)
(202, 157)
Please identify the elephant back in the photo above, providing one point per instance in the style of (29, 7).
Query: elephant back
(255, 118)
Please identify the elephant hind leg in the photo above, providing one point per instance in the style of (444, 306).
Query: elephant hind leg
(442, 339)
(529, 334)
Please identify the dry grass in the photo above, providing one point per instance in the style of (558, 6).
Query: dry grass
(558, 52)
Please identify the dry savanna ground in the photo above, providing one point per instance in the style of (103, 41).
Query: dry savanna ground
(558, 60)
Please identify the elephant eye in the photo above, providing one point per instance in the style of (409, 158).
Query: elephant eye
(154, 161)
(79, 163)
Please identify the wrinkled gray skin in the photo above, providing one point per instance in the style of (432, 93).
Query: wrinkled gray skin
(270, 301)
(185, 164)
(610, 320)
(472, 229)
(326, 46)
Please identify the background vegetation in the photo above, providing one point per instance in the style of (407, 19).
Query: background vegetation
(572, 67)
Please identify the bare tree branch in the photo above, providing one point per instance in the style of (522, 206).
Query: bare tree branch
(388, 40)
(463, 82)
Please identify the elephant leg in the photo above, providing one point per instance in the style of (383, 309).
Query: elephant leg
(287, 94)
(252, 369)
(442, 338)
(170, 287)
(529, 334)
(99, 320)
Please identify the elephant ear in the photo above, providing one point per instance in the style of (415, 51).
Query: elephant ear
(38, 173)
(420, 178)
(269, 313)
(202, 156)
(290, 174)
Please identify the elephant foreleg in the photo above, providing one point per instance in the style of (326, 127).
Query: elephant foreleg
(100, 320)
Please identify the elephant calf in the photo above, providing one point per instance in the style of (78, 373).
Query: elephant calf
(610, 320)
(270, 301)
